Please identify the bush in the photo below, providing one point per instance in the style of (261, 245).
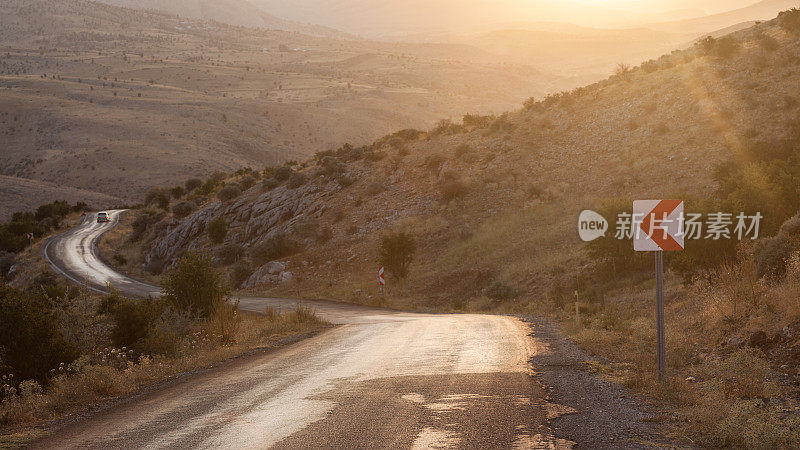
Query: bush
(132, 319)
(29, 336)
(396, 253)
(278, 246)
(240, 273)
(217, 229)
(772, 256)
(790, 20)
(157, 197)
(177, 192)
(182, 209)
(6, 262)
(143, 221)
(451, 189)
(282, 173)
(247, 182)
(296, 180)
(434, 161)
(229, 193)
(193, 285)
(193, 183)
(726, 47)
(229, 254)
(269, 184)
(499, 291)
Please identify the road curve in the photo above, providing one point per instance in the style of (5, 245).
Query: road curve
(381, 379)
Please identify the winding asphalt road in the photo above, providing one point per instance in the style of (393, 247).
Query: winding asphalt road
(381, 379)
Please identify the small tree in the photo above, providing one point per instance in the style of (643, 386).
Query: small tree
(177, 192)
(217, 230)
(229, 192)
(397, 252)
(193, 183)
(193, 285)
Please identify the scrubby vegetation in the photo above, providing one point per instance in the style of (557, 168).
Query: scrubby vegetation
(62, 350)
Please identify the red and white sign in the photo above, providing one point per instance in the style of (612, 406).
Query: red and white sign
(381, 280)
(30, 236)
(658, 225)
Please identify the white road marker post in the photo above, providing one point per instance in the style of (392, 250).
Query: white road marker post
(381, 280)
(658, 227)
(30, 240)
(577, 311)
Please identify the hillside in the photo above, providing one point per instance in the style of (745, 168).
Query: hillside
(107, 99)
(520, 179)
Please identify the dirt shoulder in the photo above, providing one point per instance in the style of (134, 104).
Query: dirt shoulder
(586, 409)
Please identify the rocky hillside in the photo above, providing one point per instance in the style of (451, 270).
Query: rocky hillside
(495, 199)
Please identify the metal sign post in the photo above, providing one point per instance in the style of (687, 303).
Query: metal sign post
(658, 227)
(577, 311)
(661, 351)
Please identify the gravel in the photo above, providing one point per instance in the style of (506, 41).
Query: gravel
(607, 415)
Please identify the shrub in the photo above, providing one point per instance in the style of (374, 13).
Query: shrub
(182, 209)
(6, 262)
(247, 182)
(29, 336)
(451, 189)
(772, 255)
(155, 266)
(132, 319)
(193, 183)
(302, 315)
(374, 156)
(296, 180)
(278, 246)
(768, 43)
(501, 124)
(143, 221)
(193, 285)
(229, 193)
(434, 161)
(217, 229)
(790, 20)
(229, 254)
(240, 273)
(269, 184)
(282, 173)
(476, 121)
(726, 47)
(463, 150)
(158, 197)
(177, 192)
(396, 253)
(499, 291)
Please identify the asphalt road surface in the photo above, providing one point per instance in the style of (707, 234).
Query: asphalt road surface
(380, 379)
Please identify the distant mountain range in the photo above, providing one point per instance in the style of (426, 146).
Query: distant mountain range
(233, 12)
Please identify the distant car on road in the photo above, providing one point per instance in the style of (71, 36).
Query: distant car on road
(103, 217)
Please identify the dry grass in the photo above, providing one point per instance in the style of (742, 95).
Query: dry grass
(719, 391)
(226, 334)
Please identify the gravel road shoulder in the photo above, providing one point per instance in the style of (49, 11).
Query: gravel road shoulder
(603, 414)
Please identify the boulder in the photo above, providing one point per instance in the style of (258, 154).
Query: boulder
(285, 276)
(274, 267)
